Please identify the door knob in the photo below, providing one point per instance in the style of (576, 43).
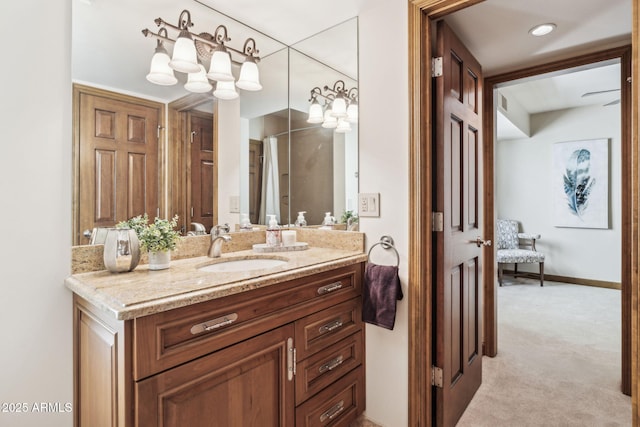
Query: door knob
(479, 242)
(87, 233)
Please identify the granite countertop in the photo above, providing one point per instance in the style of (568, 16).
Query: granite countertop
(142, 291)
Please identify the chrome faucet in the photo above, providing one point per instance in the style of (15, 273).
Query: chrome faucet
(218, 236)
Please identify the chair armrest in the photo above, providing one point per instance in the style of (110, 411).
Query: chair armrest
(528, 236)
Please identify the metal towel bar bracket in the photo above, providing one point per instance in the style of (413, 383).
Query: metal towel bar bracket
(386, 242)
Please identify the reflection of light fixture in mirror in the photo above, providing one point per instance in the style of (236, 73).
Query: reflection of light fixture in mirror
(315, 112)
(220, 68)
(189, 48)
(160, 73)
(197, 82)
(352, 109)
(341, 107)
(330, 121)
(225, 90)
(343, 126)
(249, 75)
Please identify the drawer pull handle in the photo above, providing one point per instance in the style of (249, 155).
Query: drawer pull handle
(332, 412)
(331, 326)
(329, 288)
(330, 365)
(216, 323)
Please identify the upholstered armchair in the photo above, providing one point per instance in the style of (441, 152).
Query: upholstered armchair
(510, 250)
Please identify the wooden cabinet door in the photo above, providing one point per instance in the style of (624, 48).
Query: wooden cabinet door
(247, 384)
(118, 162)
(203, 171)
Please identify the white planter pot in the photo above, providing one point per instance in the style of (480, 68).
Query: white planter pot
(159, 260)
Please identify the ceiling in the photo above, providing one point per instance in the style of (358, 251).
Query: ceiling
(496, 31)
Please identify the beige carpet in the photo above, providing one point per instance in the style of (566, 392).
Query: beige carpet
(558, 361)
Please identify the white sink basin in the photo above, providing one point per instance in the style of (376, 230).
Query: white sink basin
(243, 265)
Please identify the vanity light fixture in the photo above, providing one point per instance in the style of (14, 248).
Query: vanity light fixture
(191, 50)
(542, 29)
(160, 72)
(340, 107)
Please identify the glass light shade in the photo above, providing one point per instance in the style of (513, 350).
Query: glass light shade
(185, 57)
(343, 126)
(315, 113)
(160, 73)
(352, 112)
(225, 90)
(330, 121)
(220, 69)
(197, 82)
(339, 107)
(249, 76)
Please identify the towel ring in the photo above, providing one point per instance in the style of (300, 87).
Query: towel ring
(386, 242)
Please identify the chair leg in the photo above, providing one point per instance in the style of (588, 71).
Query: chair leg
(515, 269)
(500, 267)
(542, 274)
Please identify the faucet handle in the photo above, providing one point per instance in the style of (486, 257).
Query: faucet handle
(219, 230)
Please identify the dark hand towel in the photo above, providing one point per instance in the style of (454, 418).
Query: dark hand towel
(381, 291)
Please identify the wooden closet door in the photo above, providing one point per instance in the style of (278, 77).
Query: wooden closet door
(118, 153)
(203, 170)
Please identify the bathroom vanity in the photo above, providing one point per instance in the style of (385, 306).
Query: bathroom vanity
(185, 347)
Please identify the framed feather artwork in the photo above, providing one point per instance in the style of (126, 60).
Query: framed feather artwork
(580, 183)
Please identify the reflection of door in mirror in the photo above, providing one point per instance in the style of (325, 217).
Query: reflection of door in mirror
(202, 168)
(116, 166)
(255, 179)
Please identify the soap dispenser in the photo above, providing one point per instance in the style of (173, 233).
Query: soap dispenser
(245, 223)
(301, 221)
(328, 222)
(274, 237)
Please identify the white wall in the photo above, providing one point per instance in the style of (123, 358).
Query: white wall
(229, 139)
(35, 171)
(523, 181)
(384, 169)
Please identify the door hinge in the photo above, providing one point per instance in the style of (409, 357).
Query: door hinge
(436, 66)
(437, 221)
(159, 129)
(436, 376)
(191, 211)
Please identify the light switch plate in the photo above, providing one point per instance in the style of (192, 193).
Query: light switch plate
(234, 204)
(369, 204)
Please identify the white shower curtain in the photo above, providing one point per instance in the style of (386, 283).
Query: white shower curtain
(270, 200)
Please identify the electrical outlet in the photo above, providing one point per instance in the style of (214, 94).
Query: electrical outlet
(369, 204)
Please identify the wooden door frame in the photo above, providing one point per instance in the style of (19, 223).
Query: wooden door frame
(421, 13)
(622, 53)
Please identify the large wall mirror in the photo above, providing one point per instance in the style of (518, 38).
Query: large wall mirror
(317, 167)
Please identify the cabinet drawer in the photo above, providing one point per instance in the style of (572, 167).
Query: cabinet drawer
(323, 368)
(337, 405)
(320, 330)
(166, 339)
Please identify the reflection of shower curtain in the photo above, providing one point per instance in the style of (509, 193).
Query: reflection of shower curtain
(270, 200)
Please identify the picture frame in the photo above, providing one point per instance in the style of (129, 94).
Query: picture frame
(580, 183)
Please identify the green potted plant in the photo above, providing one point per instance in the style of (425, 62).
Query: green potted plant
(159, 238)
(351, 219)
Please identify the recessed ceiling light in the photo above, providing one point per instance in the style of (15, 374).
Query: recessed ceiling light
(542, 29)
